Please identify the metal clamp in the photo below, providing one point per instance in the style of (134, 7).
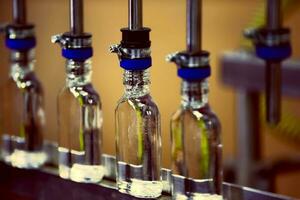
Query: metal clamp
(67, 41)
(268, 37)
(130, 53)
(17, 31)
(184, 59)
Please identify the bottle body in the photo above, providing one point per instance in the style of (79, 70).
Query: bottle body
(196, 146)
(138, 138)
(23, 117)
(80, 126)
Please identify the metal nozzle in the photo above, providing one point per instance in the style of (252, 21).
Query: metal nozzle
(273, 92)
(273, 69)
(274, 14)
(76, 16)
(194, 25)
(135, 14)
(19, 11)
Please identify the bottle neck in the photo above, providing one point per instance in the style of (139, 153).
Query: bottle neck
(78, 72)
(194, 94)
(136, 83)
(22, 63)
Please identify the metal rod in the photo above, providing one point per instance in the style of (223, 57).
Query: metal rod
(248, 136)
(76, 16)
(273, 69)
(273, 92)
(135, 14)
(194, 25)
(19, 11)
(274, 14)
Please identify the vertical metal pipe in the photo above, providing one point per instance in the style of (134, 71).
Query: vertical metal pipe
(135, 14)
(76, 16)
(274, 14)
(273, 69)
(248, 136)
(194, 25)
(19, 11)
(273, 92)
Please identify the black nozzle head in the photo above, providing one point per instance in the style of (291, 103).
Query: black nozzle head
(136, 39)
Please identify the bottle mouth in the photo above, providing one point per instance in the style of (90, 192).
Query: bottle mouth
(78, 68)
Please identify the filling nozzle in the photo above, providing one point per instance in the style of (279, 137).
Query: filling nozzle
(76, 44)
(194, 26)
(273, 68)
(272, 44)
(193, 63)
(19, 34)
(76, 17)
(134, 49)
(135, 14)
(19, 11)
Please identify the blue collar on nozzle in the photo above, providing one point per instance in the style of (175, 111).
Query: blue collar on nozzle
(78, 48)
(20, 37)
(271, 45)
(191, 66)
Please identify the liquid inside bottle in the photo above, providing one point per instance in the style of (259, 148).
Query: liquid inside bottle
(196, 146)
(138, 138)
(22, 114)
(80, 126)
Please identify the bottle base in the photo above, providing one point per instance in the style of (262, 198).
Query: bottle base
(140, 188)
(26, 160)
(82, 173)
(64, 171)
(198, 196)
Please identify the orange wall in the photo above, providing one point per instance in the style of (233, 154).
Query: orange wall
(222, 25)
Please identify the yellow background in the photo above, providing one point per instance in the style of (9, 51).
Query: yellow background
(223, 22)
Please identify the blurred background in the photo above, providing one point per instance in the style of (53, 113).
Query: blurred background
(223, 23)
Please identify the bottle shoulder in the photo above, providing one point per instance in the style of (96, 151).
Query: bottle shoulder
(145, 104)
(204, 114)
(28, 82)
(85, 94)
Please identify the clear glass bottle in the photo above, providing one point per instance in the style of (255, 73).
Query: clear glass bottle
(23, 117)
(138, 138)
(196, 145)
(80, 126)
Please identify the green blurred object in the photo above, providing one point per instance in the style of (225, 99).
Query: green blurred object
(204, 164)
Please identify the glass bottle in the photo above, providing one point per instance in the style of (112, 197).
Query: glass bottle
(23, 116)
(138, 138)
(196, 145)
(80, 126)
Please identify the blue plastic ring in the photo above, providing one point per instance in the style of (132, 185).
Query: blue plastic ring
(136, 64)
(192, 74)
(274, 53)
(20, 44)
(78, 54)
